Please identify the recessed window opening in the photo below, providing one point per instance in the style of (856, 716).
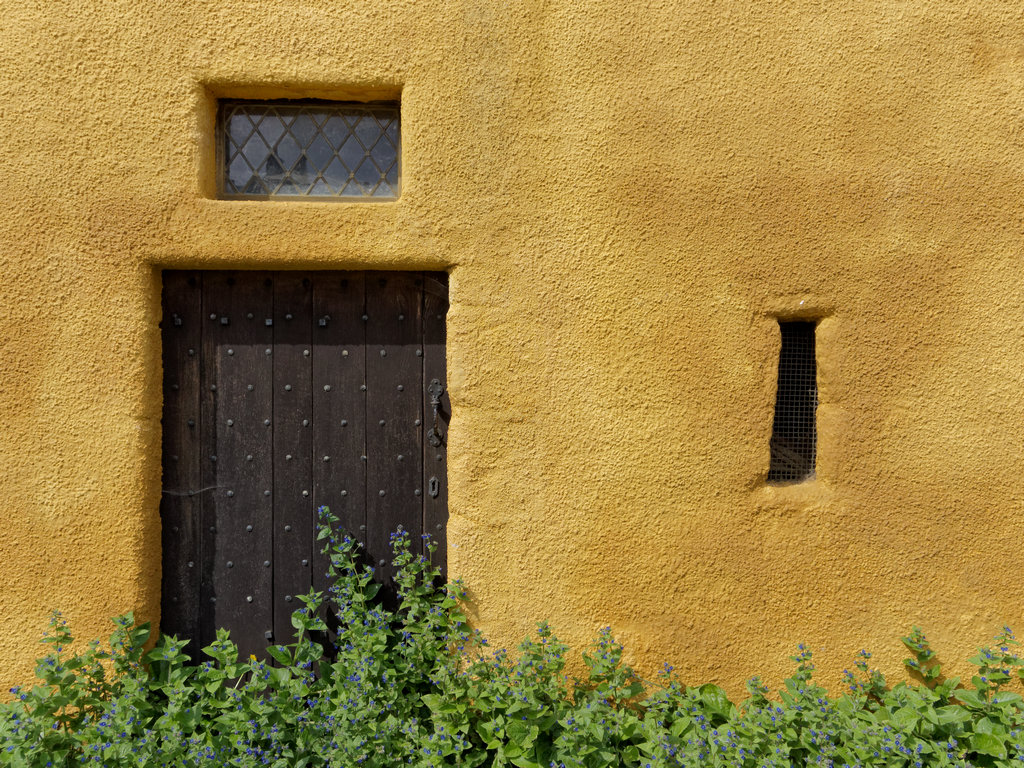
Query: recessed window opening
(794, 431)
(308, 149)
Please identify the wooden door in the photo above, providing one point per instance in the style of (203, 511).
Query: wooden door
(284, 391)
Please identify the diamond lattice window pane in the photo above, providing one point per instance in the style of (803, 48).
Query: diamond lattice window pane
(312, 149)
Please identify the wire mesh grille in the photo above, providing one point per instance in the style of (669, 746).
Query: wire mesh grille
(794, 433)
(273, 149)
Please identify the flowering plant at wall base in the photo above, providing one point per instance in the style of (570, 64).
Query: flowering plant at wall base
(415, 686)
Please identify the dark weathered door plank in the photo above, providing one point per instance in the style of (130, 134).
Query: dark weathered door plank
(238, 360)
(393, 367)
(180, 498)
(207, 429)
(339, 410)
(293, 447)
(435, 457)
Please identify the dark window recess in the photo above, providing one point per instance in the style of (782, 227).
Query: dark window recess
(794, 433)
(284, 391)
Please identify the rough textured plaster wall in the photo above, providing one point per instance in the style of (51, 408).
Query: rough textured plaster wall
(627, 195)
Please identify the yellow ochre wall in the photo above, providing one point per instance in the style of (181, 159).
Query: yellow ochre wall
(627, 195)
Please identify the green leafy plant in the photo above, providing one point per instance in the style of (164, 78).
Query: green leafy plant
(924, 666)
(366, 685)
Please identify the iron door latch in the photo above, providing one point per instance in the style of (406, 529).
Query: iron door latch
(435, 390)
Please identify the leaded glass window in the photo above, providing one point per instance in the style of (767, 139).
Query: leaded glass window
(309, 149)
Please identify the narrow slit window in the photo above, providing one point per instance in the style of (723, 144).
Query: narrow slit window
(308, 149)
(794, 432)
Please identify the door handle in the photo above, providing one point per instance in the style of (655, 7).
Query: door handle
(435, 390)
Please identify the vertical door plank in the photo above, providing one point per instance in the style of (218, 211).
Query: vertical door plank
(435, 457)
(179, 501)
(207, 429)
(393, 404)
(339, 410)
(293, 445)
(237, 360)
